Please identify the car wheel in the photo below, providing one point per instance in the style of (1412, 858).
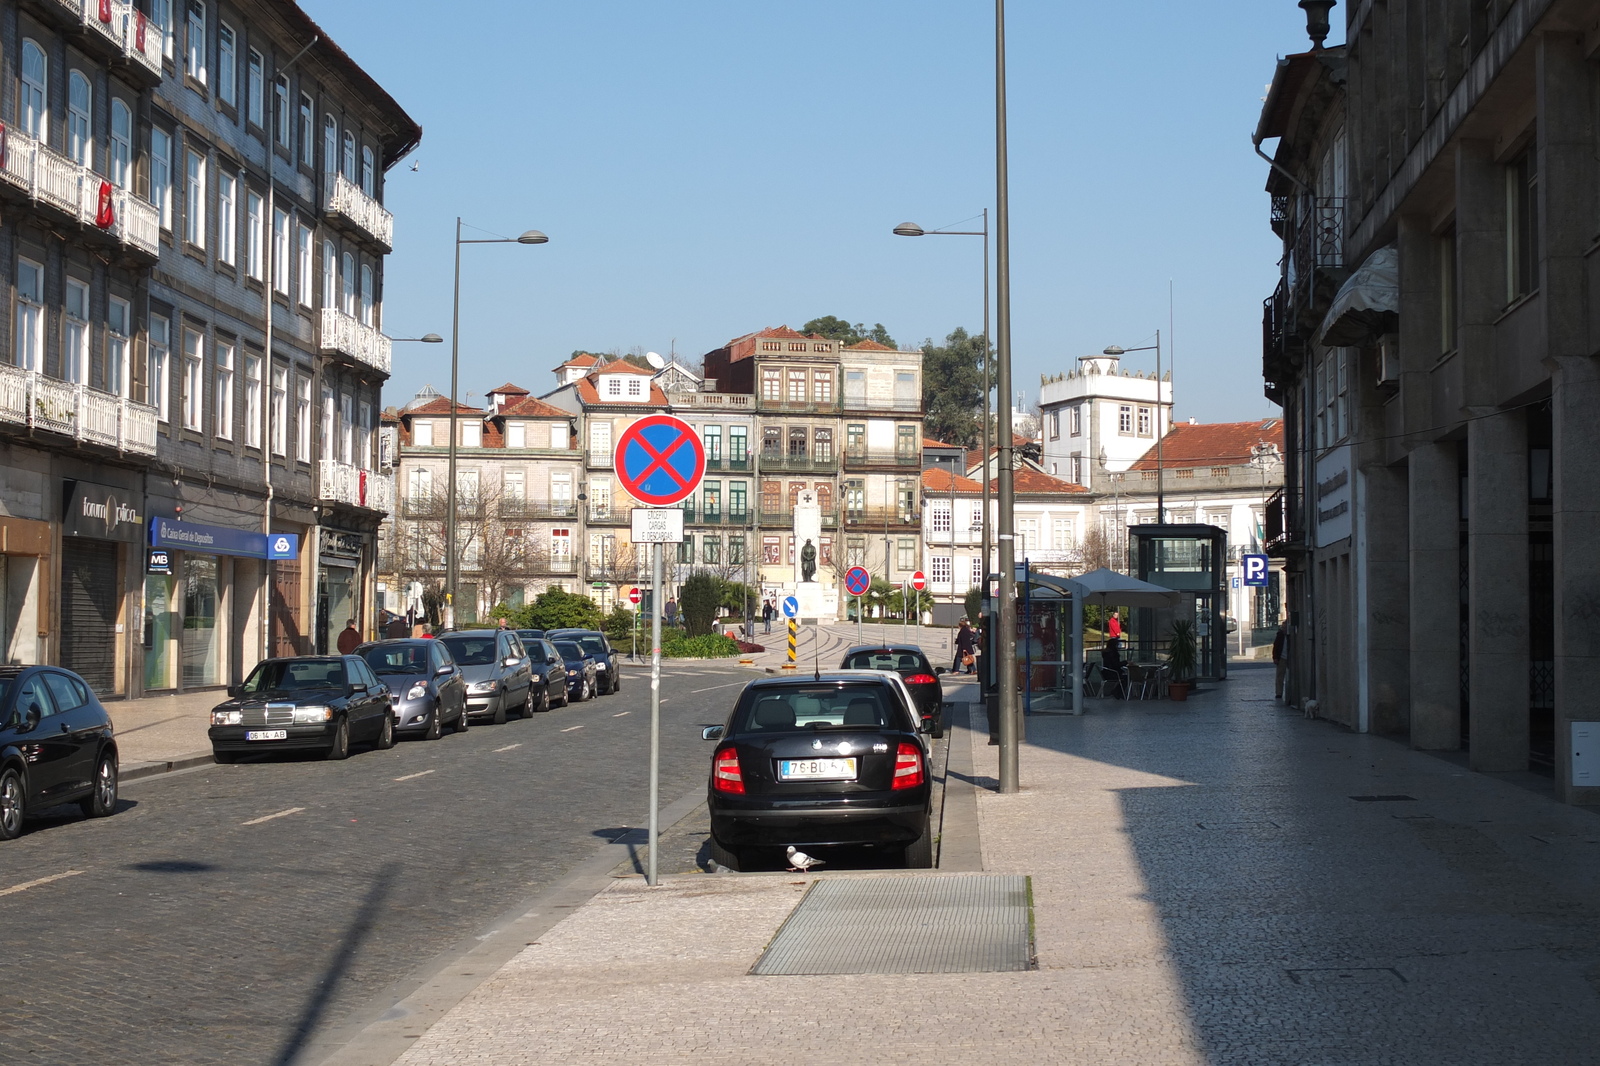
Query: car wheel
(339, 746)
(727, 858)
(223, 758)
(500, 712)
(103, 800)
(433, 732)
(919, 853)
(462, 721)
(938, 725)
(544, 701)
(386, 733)
(13, 806)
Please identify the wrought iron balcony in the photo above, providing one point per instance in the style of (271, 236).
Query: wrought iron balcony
(533, 509)
(346, 335)
(115, 28)
(798, 464)
(345, 200)
(29, 398)
(898, 404)
(882, 459)
(344, 483)
(55, 181)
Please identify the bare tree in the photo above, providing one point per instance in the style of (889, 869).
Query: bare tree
(1095, 551)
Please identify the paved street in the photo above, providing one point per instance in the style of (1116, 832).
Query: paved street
(196, 927)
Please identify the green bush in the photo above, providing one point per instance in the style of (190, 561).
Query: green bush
(707, 646)
(554, 609)
(618, 626)
(698, 600)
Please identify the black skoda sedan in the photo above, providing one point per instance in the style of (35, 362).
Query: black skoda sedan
(831, 759)
(920, 676)
(55, 746)
(310, 702)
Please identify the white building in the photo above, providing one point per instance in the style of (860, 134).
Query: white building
(1100, 418)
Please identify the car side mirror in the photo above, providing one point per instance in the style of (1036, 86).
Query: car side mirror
(711, 732)
(443, 671)
(925, 725)
(510, 660)
(235, 690)
(31, 717)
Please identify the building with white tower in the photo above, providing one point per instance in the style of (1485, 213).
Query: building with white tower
(1099, 419)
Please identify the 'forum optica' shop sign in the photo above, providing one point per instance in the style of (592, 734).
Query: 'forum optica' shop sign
(220, 540)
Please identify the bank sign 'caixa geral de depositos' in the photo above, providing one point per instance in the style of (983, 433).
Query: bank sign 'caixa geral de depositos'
(220, 540)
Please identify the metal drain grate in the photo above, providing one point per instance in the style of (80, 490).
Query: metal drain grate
(934, 924)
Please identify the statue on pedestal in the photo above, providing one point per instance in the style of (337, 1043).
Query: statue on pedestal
(808, 562)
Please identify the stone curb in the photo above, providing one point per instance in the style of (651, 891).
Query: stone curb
(138, 770)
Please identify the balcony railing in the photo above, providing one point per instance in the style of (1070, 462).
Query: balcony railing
(876, 518)
(422, 507)
(600, 459)
(941, 537)
(532, 509)
(344, 483)
(733, 400)
(51, 178)
(720, 464)
(28, 398)
(611, 515)
(345, 199)
(783, 519)
(122, 32)
(863, 458)
(347, 335)
(798, 464)
(904, 405)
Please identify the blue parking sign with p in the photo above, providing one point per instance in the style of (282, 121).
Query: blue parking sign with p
(1255, 571)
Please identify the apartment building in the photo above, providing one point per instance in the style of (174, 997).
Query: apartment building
(168, 177)
(1100, 417)
(1432, 341)
(880, 480)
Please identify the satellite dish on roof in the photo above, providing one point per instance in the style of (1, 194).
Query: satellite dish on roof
(655, 360)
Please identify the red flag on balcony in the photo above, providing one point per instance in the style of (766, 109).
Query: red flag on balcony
(138, 30)
(106, 217)
(105, 11)
(361, 494)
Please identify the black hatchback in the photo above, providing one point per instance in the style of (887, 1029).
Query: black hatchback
(56, 746)
(920, 676)
(834, 759)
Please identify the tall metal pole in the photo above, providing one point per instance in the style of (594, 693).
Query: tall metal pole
(1161, 473)
(1005, 638)
(655, 709)
(450, 572)
(986, 528)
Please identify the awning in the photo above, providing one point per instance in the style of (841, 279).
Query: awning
(1367, 304)
(1120, 590)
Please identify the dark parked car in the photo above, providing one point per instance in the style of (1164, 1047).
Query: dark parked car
(829, 759)
(528, 636)
(308, 702)
(547, 663)
(426, 688)
(920, 676)
(608, 678)
(55, 746)
(581, 670)
(496, 668)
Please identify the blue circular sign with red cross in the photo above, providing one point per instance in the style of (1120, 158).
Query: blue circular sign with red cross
(660, 460)
(857, 580)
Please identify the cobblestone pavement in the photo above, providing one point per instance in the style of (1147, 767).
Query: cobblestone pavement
(1217, 883)
(179, 932)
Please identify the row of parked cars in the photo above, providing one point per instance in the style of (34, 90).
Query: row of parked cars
(57, 745)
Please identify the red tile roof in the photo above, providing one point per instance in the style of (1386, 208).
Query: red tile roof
(509, 389)
(938, 480)
(441, 406)
(1189, 445)
(584, 359)
(929, 442)
(872, 346)
(589, 396)
(532, 407)
(1027, 479)
(621, 366)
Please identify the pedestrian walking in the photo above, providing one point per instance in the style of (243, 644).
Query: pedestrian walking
(397, 628)
(966, 657)
(1114, 626)
(766, 615)
(350, 639)
(1280, 659)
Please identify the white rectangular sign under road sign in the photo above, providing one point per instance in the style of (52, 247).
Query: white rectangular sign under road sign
(658, 525)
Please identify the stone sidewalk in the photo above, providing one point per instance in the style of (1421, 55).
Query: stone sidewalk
(1216, 882)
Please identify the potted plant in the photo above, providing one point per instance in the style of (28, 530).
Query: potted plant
(1181, 658)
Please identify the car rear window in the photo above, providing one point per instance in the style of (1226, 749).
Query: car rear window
(902, 661)
(812, 707)
(404, 659)
(472, 651)
(595, 644)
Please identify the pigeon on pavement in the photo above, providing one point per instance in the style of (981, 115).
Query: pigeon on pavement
(799, 860)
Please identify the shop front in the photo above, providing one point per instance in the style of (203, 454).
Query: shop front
(24, 589)
(339, 585)
(101, 527)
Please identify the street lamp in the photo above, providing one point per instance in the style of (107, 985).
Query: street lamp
(1161, 429)
(1005, 640)
(911, 229)
(426, 338)
(452, 572)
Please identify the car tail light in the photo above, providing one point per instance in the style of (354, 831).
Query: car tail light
(725, 775)
(907, 766)
(921, 679)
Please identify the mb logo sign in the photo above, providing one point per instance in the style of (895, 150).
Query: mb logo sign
(1255, 571)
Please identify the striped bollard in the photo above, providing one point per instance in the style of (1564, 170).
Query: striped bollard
(794, 626)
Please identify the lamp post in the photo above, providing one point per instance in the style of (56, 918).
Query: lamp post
(1005, 639)
(452, 571)
(911, 229)
(1161, 427)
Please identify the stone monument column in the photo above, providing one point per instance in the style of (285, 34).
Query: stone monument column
(808, 554)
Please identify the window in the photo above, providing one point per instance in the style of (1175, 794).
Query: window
(364, 435)
(822, 445)
(905, 447)
(194, 199)
(161, 175)
(797, 386)
(855, 387)
(471, 433)
(29, 350)
(420, 484)
(121, 144)
(516, 434)
(1027, 535)
(369, 174)
(711, 439)
(635, 387)
(711, 549)
(349, 167)
(1125, 419)
(561, 544)
(325, 424)
(252, 401)
(119, 327)
(711, 493)
(855, 551)
(227, 218)
(1075, 420)
(938, 571)
(253, 235)
(771, 550)
(976, 577)
(600, 497)
(227, 65)
(80, 101)
(1061, 531)
(280, 411)
(347, 284)
(161, 18)
(1333, 410)
(1522, 226)
(855, 496)
(75, 334)
(855, 441)
(1055, 425)
(769, 497)
(738, 503)
(304, 264)
(194, 59)
(822, 386)
(797, 443)
(34, 102)
(738, 444)
(1447, 293)
(905, 390)
(280, 109)
(736, 549)
(256, 87)
(308, 130)
(159, 385)
(280, 251)
(347, 428)
(422, 434)
(330, 274)
(561, 491)
(224, 391)
(367, 318)
(514, 489)
(193, 378)
(302, 418)
(771, 385)
(905, 554)
(466, 490)
(1144, 421)
(560, 436)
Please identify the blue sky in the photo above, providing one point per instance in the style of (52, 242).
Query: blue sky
(707, 167)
